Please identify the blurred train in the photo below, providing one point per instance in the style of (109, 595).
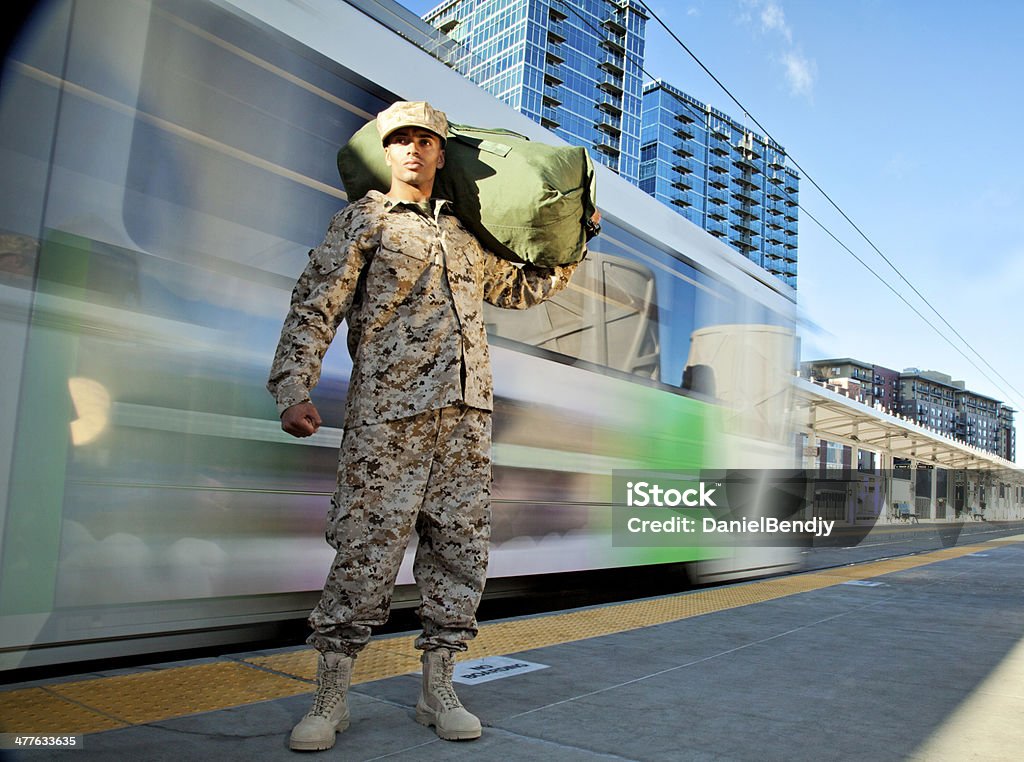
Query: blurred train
(167, 164)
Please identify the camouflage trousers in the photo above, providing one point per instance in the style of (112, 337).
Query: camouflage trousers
(432, 473)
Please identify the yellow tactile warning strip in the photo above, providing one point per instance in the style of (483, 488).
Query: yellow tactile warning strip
(90, 706)
(37, 710)
(150, 696)
(382, 658)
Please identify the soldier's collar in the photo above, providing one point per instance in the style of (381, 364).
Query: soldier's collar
(440, 205)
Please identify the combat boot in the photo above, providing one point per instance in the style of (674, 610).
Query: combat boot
(329, 715)
(438, 704)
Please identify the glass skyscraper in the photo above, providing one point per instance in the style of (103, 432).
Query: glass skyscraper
(732, 182)
(573, 67)
(576, 68)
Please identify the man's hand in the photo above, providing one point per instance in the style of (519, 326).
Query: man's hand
(301, 420)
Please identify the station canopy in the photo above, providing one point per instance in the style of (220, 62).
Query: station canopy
(825, 414)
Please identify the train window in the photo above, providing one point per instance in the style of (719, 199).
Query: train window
(608, 317)
(634, 308)
(630, 308)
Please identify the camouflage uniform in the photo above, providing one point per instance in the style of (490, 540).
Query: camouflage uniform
(411, 282)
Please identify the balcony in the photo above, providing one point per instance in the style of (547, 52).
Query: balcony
(747, 198)
(608, 123)
(551, 76)
(683, 133)
(742, 225)
(746, 163)
(682, 185)
(552, 58)
(744, 243)
(609, 102)
(608, 145)
(549, 117)
(686, 166)
(682, 203)
(684, 118)
(682, 151)
(716, 227)
(612, 64)
(718, 164)
(613, 46)
(748, 147)
(551, 98)
(556, 15)
(555, 37)
(718, 181)
(615, 25)
(611, 84)
(745, 183)
(792, 198)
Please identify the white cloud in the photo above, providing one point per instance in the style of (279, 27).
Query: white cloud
(800, 73)
(773, 19)
(770, 19)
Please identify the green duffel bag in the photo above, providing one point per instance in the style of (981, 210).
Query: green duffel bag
(525, 201)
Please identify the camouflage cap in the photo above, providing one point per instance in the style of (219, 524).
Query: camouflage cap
(411, 114)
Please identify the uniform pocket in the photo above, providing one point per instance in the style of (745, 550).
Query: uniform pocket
(470, 253)
(401, 243)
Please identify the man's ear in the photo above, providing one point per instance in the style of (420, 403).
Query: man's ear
(387, 156)
(440, 159)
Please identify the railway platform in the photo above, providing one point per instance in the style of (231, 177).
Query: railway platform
(917, 657)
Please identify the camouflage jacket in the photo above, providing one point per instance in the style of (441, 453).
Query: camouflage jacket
(411, 285)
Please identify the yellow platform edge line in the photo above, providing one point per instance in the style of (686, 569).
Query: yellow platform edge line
(99, 704)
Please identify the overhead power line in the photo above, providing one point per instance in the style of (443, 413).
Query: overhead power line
(845, 216)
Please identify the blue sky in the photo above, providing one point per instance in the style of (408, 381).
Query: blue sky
(908, 115)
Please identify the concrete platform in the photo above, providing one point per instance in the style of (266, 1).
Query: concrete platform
(915, 660)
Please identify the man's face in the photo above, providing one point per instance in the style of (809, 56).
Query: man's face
(414, 155)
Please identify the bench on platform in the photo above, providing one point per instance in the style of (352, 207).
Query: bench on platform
(905, 513)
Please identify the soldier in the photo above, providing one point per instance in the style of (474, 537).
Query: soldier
(411, 282)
